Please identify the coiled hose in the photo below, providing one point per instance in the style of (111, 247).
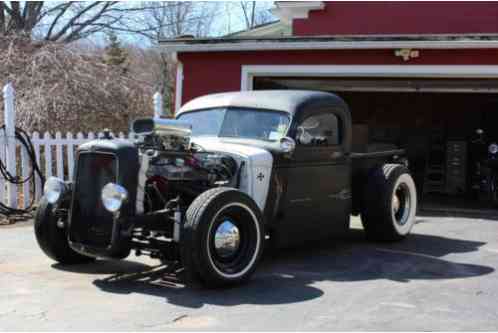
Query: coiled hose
(25, 142)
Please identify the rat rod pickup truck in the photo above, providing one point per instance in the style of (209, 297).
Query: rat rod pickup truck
(206, 191)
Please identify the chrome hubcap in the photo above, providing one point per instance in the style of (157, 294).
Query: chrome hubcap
(395, 204)
(226, 239)
(401, 204)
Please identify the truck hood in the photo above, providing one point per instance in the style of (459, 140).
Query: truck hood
(255, 176)
(259, 157)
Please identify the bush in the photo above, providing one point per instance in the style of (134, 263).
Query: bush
(63, 88)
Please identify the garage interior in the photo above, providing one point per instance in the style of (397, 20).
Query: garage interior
(434, 120)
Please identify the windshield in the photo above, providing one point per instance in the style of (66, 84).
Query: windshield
(238, 123)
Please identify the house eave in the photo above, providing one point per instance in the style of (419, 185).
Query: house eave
(327, 43)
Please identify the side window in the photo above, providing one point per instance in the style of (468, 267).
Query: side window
(319, 130)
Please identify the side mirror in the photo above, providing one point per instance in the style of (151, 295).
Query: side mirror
(287, 145)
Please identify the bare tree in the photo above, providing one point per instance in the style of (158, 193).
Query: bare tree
(68, 72)
(71, 21)
(60, 88)
(249, 10)
(18, 18)
(60, 21)
(169, 20)
(255, 13)
(177, 18)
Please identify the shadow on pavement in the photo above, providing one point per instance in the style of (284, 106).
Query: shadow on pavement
(287, 276)
(457, 207)
(488, 214)
(105, 267)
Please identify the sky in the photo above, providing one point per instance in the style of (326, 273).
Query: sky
(229, 18)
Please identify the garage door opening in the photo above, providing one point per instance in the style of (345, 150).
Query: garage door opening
(435, 121)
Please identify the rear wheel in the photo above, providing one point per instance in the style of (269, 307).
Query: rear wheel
(493, 186)
(222, 238)
(390, 203)
(52, 238)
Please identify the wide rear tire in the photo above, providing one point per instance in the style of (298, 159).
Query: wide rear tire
(390, 203)
(52, 239)
(222, 238)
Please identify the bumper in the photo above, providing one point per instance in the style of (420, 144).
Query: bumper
(122, 233)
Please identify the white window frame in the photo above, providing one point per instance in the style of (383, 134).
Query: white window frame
(249, 72)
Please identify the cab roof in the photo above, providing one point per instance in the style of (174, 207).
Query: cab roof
(290, 101)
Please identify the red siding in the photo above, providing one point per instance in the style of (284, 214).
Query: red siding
(391, 17)
(211, 72)
(205, 73)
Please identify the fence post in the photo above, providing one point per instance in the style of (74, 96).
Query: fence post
(158, 105)
(10, 141)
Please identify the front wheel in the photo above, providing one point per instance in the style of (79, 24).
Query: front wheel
(222, 238)
(390, 203)
(52, 238)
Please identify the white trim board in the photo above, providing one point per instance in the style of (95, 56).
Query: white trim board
(275, 45)
(178, 86)
(288, 11)
(248, 72)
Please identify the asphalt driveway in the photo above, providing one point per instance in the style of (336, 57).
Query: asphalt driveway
(441, 278)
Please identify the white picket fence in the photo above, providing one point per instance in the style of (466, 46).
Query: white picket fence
(55, 154)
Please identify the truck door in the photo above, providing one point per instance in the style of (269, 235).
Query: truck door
(317, 199)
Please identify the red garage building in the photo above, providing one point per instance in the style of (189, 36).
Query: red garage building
(420, 75)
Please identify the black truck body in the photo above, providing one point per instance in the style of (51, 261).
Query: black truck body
(281, 169)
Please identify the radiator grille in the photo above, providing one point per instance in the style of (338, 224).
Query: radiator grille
(91, 223)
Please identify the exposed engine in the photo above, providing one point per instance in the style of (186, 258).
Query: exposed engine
(176, 167)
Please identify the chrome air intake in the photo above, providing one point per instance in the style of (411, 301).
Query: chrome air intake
(174, 134)
(161, 127)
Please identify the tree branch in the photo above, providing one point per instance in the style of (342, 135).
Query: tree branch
(88, 22)
(2, 18)
(73, 20)
(243, 5)
(63, 9)
(69, 21)
(31, 15)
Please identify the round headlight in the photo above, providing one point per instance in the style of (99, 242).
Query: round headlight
(53, 189)
(113, 196)
(493, 148)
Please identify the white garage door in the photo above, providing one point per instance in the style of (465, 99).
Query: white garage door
(387, 84)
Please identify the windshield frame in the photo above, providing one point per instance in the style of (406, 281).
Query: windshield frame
(240, 109)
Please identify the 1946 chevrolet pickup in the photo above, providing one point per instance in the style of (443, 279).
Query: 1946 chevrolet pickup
(206, 191)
